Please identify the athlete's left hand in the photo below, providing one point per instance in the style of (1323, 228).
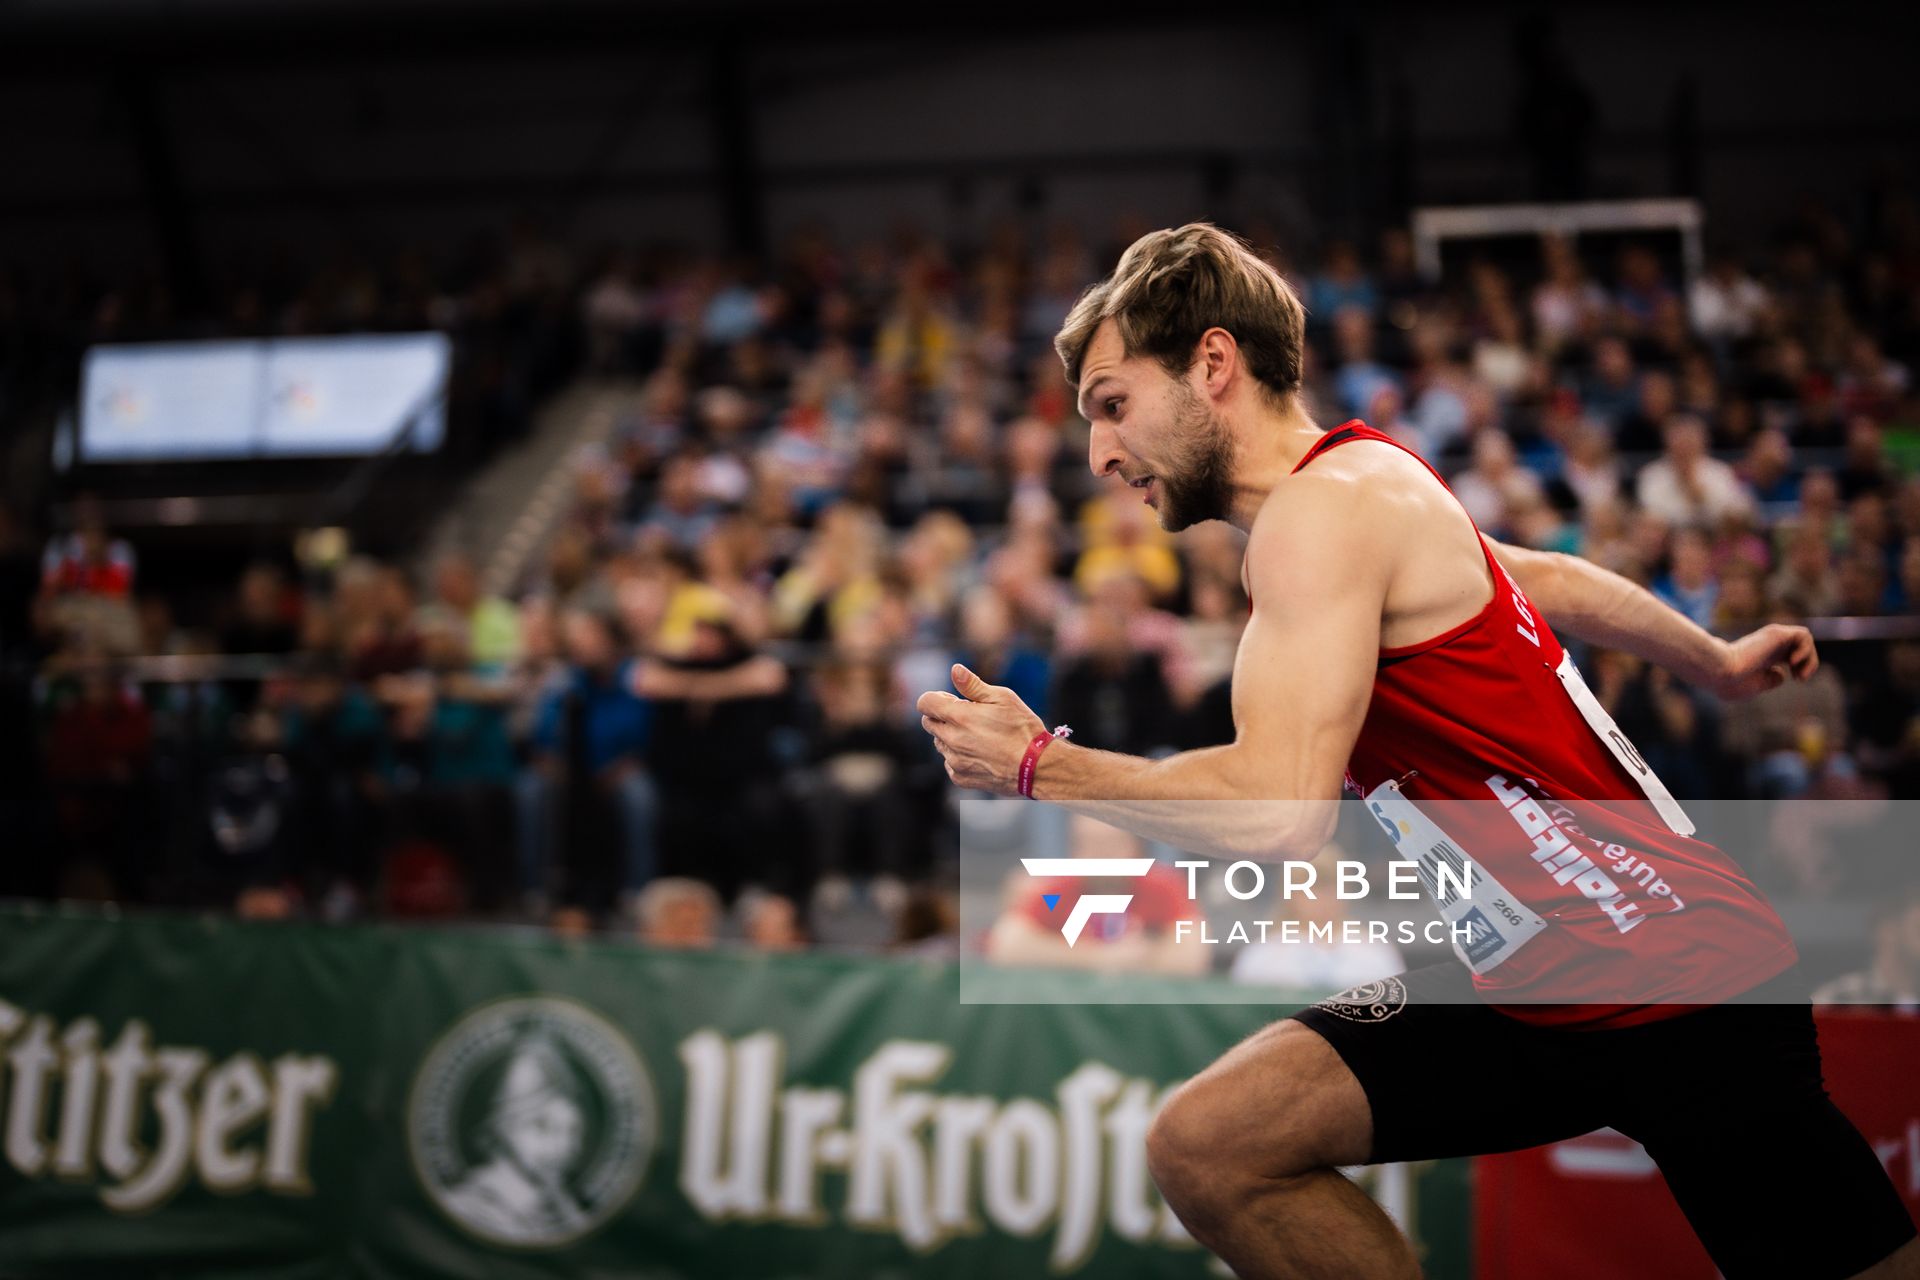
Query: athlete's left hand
(1765, 659)
(982, 734)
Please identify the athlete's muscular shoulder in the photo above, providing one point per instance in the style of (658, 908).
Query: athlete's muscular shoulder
(1313, 530)
(1372, 515)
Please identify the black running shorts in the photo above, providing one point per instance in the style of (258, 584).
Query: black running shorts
(1728, 1100)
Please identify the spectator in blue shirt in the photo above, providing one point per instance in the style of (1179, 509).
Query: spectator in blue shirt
(1689, 584)
(1768, 469)
(1359, 378)
(593, 729)
(1342, 283)
(1610, 392)
(990, 649)
(681, 513)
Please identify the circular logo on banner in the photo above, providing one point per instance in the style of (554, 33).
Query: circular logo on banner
(531, 1122)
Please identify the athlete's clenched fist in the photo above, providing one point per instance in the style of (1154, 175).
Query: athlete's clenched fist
(982, 734)
(1765, 659)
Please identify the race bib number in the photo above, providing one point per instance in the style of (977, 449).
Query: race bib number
(1623, 750)
(1487, 923)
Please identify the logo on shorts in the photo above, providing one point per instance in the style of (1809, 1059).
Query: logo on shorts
(531, 1122)
(1482, 938)
(1087, 905)
(1368, 1002)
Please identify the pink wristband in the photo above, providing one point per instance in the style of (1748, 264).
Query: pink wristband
(1030, 762)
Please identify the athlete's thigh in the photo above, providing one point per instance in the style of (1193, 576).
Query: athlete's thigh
(1278, 1104)
(1786, 1187)
(1773, 1177)
(1444, 1075)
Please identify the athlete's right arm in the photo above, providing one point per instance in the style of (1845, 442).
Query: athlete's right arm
(1583, 600)
(1318, 565)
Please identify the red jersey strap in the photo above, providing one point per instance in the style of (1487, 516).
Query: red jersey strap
(1348, 432)
(1354, 430)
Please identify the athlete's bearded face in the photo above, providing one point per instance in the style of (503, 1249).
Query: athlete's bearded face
(1196, 481)
(1157, 433)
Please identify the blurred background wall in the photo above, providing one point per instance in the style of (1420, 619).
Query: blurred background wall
(195, 131)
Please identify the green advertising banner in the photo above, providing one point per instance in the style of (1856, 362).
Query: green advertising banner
(189, 1097)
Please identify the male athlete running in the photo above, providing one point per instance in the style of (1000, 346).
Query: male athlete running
(1394, 650)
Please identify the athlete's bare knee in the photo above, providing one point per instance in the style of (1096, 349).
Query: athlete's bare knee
(1266, 1113)
(1177, 1146)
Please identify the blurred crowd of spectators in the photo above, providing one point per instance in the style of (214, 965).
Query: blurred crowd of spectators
(847, 468)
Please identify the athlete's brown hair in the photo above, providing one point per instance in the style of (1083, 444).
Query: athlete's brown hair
(1172, 286)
